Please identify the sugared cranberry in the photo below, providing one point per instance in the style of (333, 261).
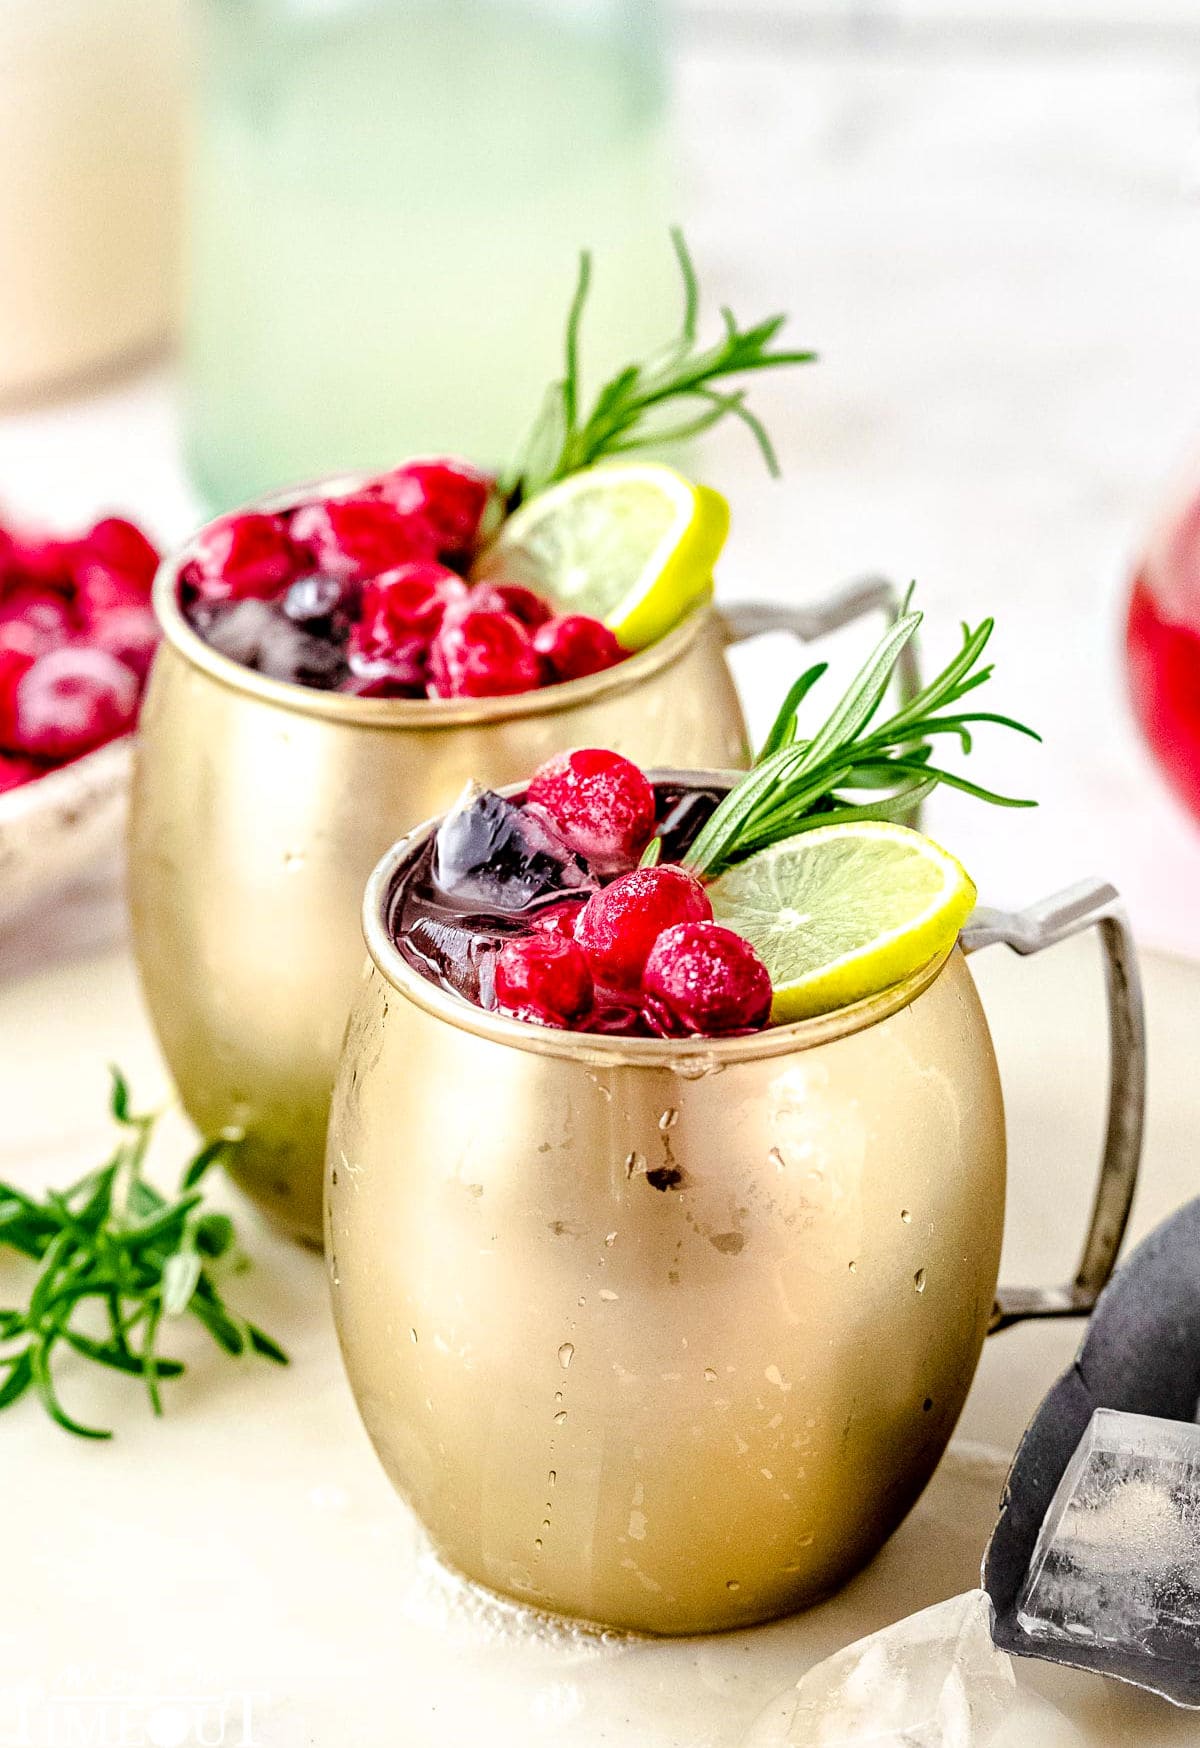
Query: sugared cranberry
(130, 633)
(35, 620)
(543, 978)
(15, 772)
(121, 549)
(482, 655)
(360, 537)
(243, 557)
(447, 495)
(620, 924)
(705, 980)
(14, 665)
(516, 599)
(575, 645)
(72, 700)
(42, 561)
(401, 672)
(410, 600)
(560, 918)
(602, 804)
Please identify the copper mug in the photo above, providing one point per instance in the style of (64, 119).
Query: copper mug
(669, 1336)
(259, 809)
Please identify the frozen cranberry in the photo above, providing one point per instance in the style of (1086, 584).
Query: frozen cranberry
(516, 599)
(15, 772)
(242, 557)
(575, 645)
(35, 620)
(42, 561)
(449, 496)
(400, 672)
(71, 700)
(543, 978)
(482, 655)
(706, 980)
(130, 633)
(621, 923)
(121, 549)
(360, 537)
(559, 918)
(601, 803)
(14, 665)
(410, 600)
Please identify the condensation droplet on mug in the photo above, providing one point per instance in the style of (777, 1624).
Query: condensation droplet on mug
(634, 1162)
(853, 1266)
(560, 1419)
(906, 1216)
(806, 1539)
(557, 1397)
(552, 1478)
(777, 1159)
(537, 1542)
(293, 860)
(413, 1335)
(566, 1354)
(732, 1584)
(610, 1240)
(669, 1118)
(919, 1280)
(710, 1377)
(608, 1296)
(582, 1299)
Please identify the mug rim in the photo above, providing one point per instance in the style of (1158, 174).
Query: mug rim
(598, 1048)
(409, 713)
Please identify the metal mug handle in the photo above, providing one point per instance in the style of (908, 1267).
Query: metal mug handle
(1091, 904)
(814, 619)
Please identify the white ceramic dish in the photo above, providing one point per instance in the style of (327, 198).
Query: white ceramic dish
(55, 829)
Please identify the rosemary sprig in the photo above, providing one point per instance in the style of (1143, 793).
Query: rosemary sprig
(797, 784)
(628, 411)
(113, 1242)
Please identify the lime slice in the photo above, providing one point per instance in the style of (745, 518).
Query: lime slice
(844, 911)
(632, 543)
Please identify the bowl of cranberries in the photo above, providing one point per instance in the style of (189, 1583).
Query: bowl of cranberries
(77, 634)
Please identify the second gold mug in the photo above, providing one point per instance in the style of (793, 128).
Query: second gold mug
(670, 1335)
(259, 809)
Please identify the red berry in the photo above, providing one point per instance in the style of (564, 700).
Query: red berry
(706, 980)
(559, 918)
(575, 645)
(14, 665)
(408, 601)
(130, 633)
(243, 556)
(121, 550)
(71, 700)
(603, 806)
(14, 772)
(43, 561)
(400, 672)
(360, 537)
(513, 598)
(447, 495)
(35, 620)
(621, 923)
(543, 978)
(482, 655)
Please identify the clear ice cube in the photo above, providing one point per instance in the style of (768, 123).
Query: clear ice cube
(256, 634)
(934, 1680)
(1117, 1561)
(491, 854)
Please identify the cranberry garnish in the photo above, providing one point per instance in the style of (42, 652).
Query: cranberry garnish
(120, 549)
(410, 600)
(705, 980)
(35, 620)
(543, 978)
(242, 557)
(621, 923)
(575, 645)
(447, 495)
(361, 536)
(516, 599)
(399, 673)
(42, 561)
(559, 918)
(14, 665)
(72, 700)
(601, 803)
(130, 633)
(14, 772)
(482, 655)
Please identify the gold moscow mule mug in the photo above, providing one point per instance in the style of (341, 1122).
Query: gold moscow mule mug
(259, 809)
(670, 1335)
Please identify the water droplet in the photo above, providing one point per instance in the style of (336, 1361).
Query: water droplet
(669, 1118)
(634, 1162)
(610, 1240)
(537, 1543)
(560, 1419)
(557, 1397)
(607, 1295)
(582, 1299)
(293, 860)
(413, 1334)
(927, 1404)
(732, 1584)
(710, 1377)
(566, 1354)
(552, 1477)
(806, 1539)
(777, 1159)
(919, 1280)
(853, 1267)
(906, 1216)
(545, 1523)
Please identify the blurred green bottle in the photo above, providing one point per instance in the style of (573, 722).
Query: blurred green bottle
(388, 201)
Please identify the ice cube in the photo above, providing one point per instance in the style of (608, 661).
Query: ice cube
(1117, 1560)
(460, 955)
(934, 1680)
(237, 631)
(491, 854)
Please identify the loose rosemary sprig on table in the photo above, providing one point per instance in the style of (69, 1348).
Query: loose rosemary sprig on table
(113, 1242)
(627, 413)
(798, 784)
